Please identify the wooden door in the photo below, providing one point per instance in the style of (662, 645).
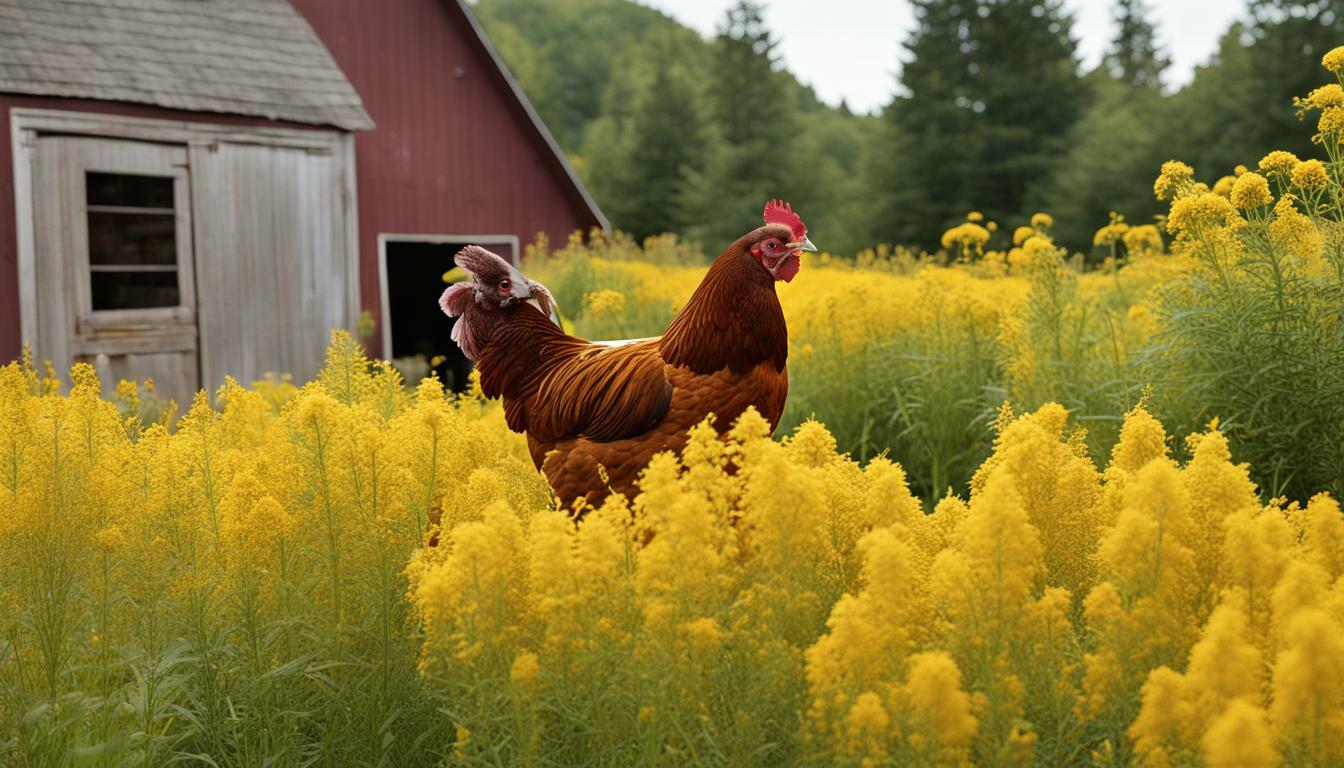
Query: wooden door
(273, 258)
(114, 267)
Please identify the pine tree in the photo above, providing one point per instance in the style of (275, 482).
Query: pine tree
(1134, 56)
(650, 138)
(1115, 146)
(667, 142)
(991, 93)
(751, 158)
(1027, 80)
(927, 143)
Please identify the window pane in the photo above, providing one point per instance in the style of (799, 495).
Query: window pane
(132, 238)
(132, 255)
(134, 290)
(130, 190)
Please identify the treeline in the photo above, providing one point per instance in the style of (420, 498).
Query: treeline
(990, 111)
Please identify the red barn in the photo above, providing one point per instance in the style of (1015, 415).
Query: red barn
(207, 187)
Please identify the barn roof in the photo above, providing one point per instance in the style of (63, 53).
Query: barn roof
(524, 105)
(244, 57)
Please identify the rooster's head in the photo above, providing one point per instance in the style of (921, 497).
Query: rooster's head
(480, 303)
(777, 245)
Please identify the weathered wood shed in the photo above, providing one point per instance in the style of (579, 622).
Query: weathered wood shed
(195, 188)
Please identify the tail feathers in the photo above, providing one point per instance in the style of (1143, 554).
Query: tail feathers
(463, 340)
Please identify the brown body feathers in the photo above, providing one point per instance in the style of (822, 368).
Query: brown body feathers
(586, 406)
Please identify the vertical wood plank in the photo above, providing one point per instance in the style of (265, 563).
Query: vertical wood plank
(273, 259)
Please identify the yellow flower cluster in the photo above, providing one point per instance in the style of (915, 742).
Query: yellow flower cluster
(274, 532)
(1311, 176)
(1203, 210)
(1251, 190)
(1333, 60)
(1112, 233)
(1144, 239)
(1148, 607)
(1296, 234)
(351, 571)
(1322, 98)
(1176, 177)
(1232, 227)
(1329, 101)
(1279, 162)
(969, 238)
(1205, 619)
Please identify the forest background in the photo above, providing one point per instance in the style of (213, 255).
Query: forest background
(991, 110)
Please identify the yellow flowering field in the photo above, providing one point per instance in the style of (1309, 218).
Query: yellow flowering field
(1045, 515)
(256, 585)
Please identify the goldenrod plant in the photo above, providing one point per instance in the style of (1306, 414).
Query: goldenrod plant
(358, 571)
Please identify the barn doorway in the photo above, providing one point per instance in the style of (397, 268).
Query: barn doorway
(416, 334)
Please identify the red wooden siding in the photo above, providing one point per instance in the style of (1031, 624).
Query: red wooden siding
(10, 338)
(452, 152)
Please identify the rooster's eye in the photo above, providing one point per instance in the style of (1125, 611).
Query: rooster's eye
(772, 244)
(504, 284)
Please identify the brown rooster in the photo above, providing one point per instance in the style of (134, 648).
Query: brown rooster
(586, 406)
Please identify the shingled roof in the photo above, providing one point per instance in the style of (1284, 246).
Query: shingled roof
(244, 57)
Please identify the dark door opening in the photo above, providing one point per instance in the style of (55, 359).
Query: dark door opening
(420, 333)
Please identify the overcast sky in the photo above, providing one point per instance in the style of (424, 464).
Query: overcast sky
(847, 48)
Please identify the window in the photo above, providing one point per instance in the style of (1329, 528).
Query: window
(132, 241)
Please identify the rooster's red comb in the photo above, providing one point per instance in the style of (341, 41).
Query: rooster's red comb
(778, 212)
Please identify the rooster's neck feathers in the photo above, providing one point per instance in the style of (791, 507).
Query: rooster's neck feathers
(733, 320)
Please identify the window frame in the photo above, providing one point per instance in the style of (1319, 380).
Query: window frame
(182, 313)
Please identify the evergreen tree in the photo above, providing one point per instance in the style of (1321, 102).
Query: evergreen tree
(651, 138)
(834, 152)
(1134, 56)
(1115, 147)
(1240, 106)
(1110, 163)
(667, 142)
(755, 116)
(1027, 79)
(991, 93)
(927, 148)
(577, 43)
(652, 95)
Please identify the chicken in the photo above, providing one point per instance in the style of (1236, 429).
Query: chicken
(594, 414)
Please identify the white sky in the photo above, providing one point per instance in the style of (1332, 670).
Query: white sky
(848, 48)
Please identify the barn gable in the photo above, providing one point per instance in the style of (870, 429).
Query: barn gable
(242, 57)
(453, 122)
(525, 106)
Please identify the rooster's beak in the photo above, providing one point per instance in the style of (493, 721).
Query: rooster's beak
(804, 245)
